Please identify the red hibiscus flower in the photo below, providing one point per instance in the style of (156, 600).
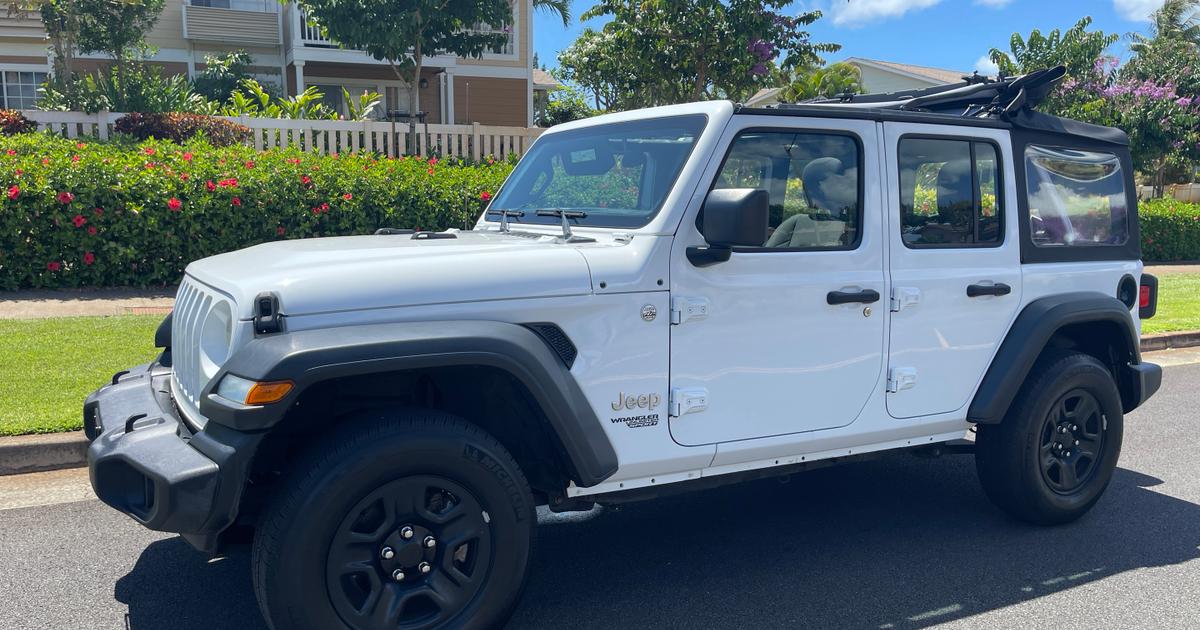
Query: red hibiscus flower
(235, 201)
(324, 207)
(249, 164)
(75, 158)
(149, 151)
(92, 230)
(89, 258)
(305, 179)
(99, 212)
(348, 196)
(11, 152)
(279, 230)
(228, 183)
(65, 197)
(80, 145)
(485, 195)
(430, 171)
(174, 204)
(187, 156)
(293, 160)
(316, 210)
(79, 220)
(45, 161)
(210, 186)
(14, 191)
(18, 172)
(432, 161)
(184, 177)
(53, 265)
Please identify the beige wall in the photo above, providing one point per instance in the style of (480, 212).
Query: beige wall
(168, 30)
(490, 101)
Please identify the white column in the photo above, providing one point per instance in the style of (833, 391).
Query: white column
(299, 76)
(449, 98)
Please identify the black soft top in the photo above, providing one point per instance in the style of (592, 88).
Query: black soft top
(976, 102)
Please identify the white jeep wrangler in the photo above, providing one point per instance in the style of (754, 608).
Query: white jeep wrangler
(656, 300)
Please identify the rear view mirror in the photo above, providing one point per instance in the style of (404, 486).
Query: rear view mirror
(587, 161)
(733, 217)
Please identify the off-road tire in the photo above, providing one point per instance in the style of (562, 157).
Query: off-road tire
(1011, 456)
(301, 526)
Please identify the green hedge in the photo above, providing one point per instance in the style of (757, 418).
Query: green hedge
(122, 214)
(1170, 230)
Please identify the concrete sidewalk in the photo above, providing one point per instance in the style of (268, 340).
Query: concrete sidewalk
(78, 302)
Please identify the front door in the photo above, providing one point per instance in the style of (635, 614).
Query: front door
(787, 337)
(955, 262)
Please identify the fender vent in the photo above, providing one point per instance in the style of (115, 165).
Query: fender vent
(558, 341)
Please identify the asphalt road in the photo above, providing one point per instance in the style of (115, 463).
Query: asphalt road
(898, 543)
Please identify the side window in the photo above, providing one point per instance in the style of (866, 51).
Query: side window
(1075, 197)
(814, 184)
(949, 193)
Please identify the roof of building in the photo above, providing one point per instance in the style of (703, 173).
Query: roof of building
(938, 75)
(764, 95)
(543, 81)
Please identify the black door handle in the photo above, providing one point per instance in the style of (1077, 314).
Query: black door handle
(976, 290)
(866, 296)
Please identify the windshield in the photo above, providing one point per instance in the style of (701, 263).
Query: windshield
(614, 175)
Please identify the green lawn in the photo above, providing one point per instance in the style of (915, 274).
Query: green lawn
(48, 366)
(1178, 304)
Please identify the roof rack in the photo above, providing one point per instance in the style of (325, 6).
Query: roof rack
(976, 97)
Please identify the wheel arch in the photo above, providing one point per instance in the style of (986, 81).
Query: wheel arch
(1090, 322)
(375, 355)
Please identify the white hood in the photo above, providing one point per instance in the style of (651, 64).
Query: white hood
(368, 272)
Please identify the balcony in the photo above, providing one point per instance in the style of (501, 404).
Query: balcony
(309, 35)
(245, 22)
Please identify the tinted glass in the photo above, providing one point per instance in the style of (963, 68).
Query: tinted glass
(1076, 197)
(948, 193)
(813, 181)
(619, 174)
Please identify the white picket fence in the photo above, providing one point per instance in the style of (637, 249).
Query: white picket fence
(473, 141)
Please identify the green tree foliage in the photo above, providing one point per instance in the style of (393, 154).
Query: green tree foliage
(822, 82)
(1176, 20)
(115, 28)
(1077, 49)
(404, 32)
(561, 8)
(657, 52)
(222, 74)
(566, 104)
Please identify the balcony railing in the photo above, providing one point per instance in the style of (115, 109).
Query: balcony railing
(311, 36)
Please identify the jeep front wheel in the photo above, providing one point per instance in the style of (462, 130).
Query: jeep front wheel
(1052, 457)
(420, 521)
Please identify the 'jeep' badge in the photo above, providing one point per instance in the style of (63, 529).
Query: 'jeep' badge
(631, 401)
(649, 312)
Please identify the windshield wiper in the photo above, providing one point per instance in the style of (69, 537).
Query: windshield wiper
(566, 216)
(504, 214)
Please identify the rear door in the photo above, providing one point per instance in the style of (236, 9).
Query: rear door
(955, 261)
(786, 337)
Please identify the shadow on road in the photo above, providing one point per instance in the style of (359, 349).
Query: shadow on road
(893, 543)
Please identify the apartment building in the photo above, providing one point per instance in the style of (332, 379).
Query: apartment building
(498, 89)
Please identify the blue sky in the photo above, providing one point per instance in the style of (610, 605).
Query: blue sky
(951, 34)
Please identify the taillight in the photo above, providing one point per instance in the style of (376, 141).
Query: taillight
(1143, 296)
(1147, 296)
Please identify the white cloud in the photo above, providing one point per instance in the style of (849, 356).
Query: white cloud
(996, 4)
(985, 65)
(860, 12)
(1137, 10)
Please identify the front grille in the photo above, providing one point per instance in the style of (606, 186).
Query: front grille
(192, 303)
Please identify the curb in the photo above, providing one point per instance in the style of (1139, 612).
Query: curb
(36, 453)
(1167, 341)
(53, 451)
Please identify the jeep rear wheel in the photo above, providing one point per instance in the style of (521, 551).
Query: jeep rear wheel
(420, 521)
(1052, 457)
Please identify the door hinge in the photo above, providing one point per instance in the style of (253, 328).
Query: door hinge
(687, 400)
(904, 297)
(684, 309)
(901, 378)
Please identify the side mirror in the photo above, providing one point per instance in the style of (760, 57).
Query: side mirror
(733, 217)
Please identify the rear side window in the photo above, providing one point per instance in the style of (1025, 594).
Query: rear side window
(1075, 197)
(948, 193)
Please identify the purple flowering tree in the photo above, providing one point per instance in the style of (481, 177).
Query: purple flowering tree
(657, 52)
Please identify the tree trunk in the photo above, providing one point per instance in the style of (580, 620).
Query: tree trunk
(414, 99)
(1160, 177)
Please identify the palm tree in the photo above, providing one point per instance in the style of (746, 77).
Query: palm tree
(561, 8)
(1177, 20)
(828, 82)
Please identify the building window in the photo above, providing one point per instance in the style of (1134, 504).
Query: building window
(20, 89)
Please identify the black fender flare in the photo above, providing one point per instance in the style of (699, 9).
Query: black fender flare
(1028, 336)
(309, 357)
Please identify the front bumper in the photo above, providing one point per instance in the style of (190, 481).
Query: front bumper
(146, 462)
